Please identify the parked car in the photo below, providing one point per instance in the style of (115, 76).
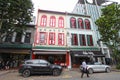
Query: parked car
(97, 67)
(39, 66)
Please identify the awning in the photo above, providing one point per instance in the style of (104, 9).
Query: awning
(49, 52)
(87, 53)
(15, 51)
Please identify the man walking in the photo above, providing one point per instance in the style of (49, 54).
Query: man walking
(84, 70)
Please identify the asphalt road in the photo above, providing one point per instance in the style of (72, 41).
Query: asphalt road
(66, 75)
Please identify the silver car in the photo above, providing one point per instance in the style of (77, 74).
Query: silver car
(97, 67)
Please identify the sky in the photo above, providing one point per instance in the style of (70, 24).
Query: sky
(56, 5)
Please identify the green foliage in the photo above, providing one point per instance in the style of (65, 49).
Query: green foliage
(109, 27)
(118, 66)
(14, 15)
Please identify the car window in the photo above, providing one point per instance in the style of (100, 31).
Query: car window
(43, 62)
(36, 61)
(97, 63)
(29, 62)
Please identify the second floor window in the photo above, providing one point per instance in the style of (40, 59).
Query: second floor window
(82, 40)
(60, 38)
(72, 22)
(89, 40)
(43, 21)
(87, 24)
(8, 38)
(27, 37)
(43, 38)
(52, 38)
(74, 40)
(61, 22)
(52, 21)
(18, 37)
(80, 23)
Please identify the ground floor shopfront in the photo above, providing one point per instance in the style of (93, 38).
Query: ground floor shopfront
(53, 56)
(14, 53)
(89, 56)
(14, 56)
(67, 58)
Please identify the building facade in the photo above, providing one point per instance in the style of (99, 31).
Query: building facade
(50, 37)
(65, 39)
(93, 9)
(17, 47)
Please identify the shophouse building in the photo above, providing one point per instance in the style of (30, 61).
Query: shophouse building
(93, 9)
(65, 38)
(17, 47)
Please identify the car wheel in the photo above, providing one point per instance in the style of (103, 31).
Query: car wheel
(56, 72)
(90, 71)
(108, 70)
(26, 73)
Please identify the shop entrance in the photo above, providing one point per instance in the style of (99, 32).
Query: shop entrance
(77, 61)
(59, 59)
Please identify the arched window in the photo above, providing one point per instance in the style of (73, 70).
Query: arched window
(87, 24)
(80, 23)
(61, 22)
(43, 21)
(72, 22)
(52, 21)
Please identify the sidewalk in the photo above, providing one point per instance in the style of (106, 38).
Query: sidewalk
(7, 71)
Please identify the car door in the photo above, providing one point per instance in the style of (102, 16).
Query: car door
(44, 66)
(35, 66)
(99, 67)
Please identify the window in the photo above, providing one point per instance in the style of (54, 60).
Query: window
(8, 38)
(52, 21)
(74, 39)
(52, 38)
(80, 23)
(89, 40)
(43, 20)
(18, 37)
(60, 38)
(73, 22)
(87, 24)
(61, 22)
(43, 38)
(27, 37)
(82, 40)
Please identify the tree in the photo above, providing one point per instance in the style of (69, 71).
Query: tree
(14, 15)
(109, 28)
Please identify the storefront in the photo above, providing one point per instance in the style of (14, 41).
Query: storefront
(15, 53)
(54, 57)
(90, 56)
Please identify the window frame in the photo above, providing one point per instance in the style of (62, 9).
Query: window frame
(73, 22)
(44, 42)
(74, 39)
(61, 40)
(87, 24)
(90, 40)
(52, 21)
(61, 22)
(43, 21)
(80, 25)
(52, 41)
(82, 40)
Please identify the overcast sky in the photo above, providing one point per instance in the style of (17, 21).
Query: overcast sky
(56, 5)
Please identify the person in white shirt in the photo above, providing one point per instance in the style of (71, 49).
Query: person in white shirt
(84, 66)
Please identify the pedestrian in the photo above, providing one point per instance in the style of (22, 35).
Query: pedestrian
(84, 69)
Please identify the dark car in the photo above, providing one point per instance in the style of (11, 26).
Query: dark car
(39, 66)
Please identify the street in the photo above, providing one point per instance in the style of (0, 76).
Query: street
(66, 75)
